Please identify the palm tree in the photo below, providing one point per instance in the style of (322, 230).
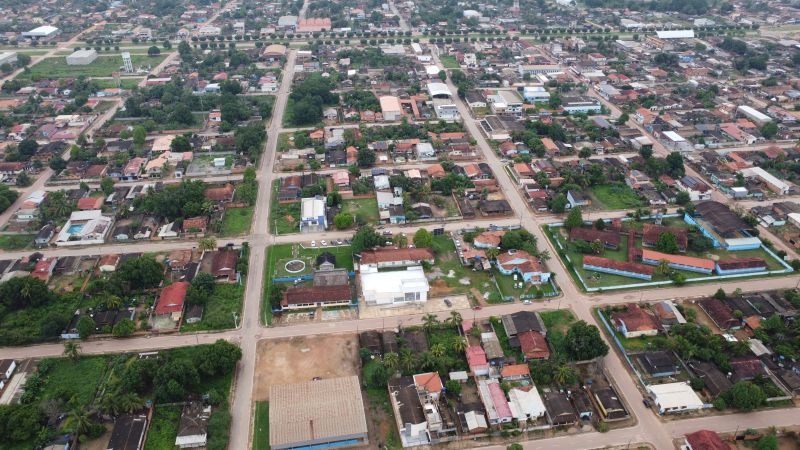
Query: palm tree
(407, 360)
(438, 350)
(429, 322)
(564, 375)
(78, 421)
(459, 344)
(427, 360)
(492, 253)
(391, 360)
(455, 319)
(112, 301)
(663, 267)
(72, 350)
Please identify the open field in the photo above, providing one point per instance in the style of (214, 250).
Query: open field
(124, 83)
(261, 427)
(224, 302)
(16, 241)
(614, 196)
(449, 62)
(283, 218)
(81, 378)
(103, 66)
(237, 221)
(300, 359)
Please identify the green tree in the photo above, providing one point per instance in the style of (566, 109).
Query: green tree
(153, 51)
(423, 238)
(746, 396)
(429, 322)
(365, 238)
(57, 164)
(139, 136)
(343, 220)
(574, 219)
(682, 198)
(453, 387)
(85, 327)
(442, 75)
(583, 342)
(207, 244)
(769, 130)
(125, 327)
(514, 447)
(600, 224)
(768, 442)
(107, 185)
(391, 360)
(667, 243)
(559, 203)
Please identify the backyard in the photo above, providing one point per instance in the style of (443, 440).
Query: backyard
(284, 217)
(163, 428)
(218, 314)
(614, 196)
(103, 66)
(80, 379)
(449, 62)
(457, 279)
(365, 210)
(237, 221)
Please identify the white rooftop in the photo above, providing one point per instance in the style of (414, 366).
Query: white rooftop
(411, 279)
(675, 395)
(526, 405)
(435, 89)
(675, 34)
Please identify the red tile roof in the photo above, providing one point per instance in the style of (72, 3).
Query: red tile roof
(295, 295)
(430, 382)
(651, 233)
(635, 319)
(199, 223)
(610, 238)
(171, 298)
(678, 259)
(741, 263)
(380, 255)
(533, 345)
(476, 357)
(87, 203)
(220, 194)
(515, 370)
(224, 263)
(706, 440)
(618, 265)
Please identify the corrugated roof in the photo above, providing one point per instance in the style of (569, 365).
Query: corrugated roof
(678, 259)
(316, 410)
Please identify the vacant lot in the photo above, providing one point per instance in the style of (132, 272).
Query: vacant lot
(300, 359)
(237, 221)
(103, 66)
(614, 196)
(16, 241)
(365, 210)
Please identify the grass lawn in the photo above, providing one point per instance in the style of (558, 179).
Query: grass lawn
(103, 66)
(283, 142)
(364, 209)
(218, 313)
(81, 378)
(557, 323)
(283, 218)
(237, 221)
(16, 241)
(614, 196)
(507, 284)
(163, 428)
(124, 83)
(449, 62)
(261, 427)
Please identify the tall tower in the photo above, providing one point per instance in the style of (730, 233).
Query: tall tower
(515, 8)
(127, 63)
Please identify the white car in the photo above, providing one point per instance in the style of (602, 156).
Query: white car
(323, 243)
(313, 243)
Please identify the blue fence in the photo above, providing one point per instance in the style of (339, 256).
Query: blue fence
(302, 278)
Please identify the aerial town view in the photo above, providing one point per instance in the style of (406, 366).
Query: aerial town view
(389, 224)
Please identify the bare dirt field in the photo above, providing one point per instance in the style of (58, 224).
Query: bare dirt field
(301, 359)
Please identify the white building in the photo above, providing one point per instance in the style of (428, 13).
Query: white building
(394, 288)
(312, 214)
(526, 404)
(84, 228)
(753, 114)
(585, 105)
(81, 57)
(675, 34)
(391, 109)
(774, 184)
(445, 109)
(8, 58)
(535, 94)
(674, 397)
(209, 30)
(43, 33)
(505, 102)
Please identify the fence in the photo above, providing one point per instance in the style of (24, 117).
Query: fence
(302, 278)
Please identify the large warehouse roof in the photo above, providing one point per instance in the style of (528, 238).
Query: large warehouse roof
(44, 30)
(315, 410)
(675, 34)
(390, 103)
(438, 89)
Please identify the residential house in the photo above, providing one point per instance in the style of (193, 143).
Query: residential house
(170, 301)
(634, 322)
